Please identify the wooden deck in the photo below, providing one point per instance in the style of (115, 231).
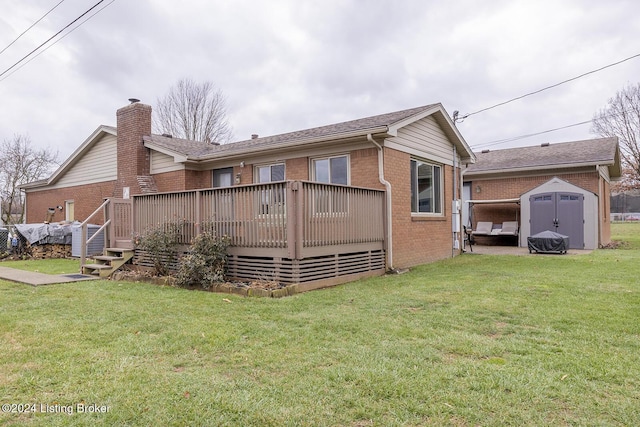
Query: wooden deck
(291, 231)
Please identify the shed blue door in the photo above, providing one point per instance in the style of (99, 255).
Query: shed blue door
(560, 212)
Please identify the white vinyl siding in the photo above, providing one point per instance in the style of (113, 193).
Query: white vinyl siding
(161, 163)
(424, 138)
(97, 165)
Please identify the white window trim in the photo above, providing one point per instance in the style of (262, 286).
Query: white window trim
(430, 214)
(256, 173)
(66, 209)
(312, 170)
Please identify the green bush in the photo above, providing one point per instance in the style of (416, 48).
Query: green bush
(206, 262)
(159, 243)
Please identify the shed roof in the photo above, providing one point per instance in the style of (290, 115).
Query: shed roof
(591, 152)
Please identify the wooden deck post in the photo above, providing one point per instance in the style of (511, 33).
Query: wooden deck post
(291, 207)
(197, 214)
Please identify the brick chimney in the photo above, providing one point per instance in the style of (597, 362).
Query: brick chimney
(133, 122)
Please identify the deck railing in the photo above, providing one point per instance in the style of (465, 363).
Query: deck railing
(292, 219)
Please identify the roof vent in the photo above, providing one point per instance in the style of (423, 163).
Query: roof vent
(544, 144)
(167, 135)
(133, 100)
(254, 136)
(485, 151)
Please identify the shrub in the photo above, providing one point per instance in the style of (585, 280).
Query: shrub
(206, 262)
(159, 243)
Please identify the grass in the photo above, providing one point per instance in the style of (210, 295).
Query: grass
(474, 340)
(49, 266)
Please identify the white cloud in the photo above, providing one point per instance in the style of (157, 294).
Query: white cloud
(286, 65)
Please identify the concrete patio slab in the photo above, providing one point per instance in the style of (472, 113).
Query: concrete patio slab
(38, 279)
(515, 250)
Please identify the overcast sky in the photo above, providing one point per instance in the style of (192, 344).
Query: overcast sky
(286, 65)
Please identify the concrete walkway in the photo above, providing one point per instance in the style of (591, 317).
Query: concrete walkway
(37, 279)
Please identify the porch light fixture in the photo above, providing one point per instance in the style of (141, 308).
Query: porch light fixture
(478, 189)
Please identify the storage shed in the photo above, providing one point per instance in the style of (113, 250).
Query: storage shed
(561, 207)
(563, 187)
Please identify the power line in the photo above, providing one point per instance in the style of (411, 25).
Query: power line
(516, 138)
(55, 42)
(50, 38)
(32, 25)
(460, 119)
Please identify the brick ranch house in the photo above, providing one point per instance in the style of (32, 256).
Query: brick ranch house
(375, 192)
(562, 187)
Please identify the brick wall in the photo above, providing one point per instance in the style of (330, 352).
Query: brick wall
(86, 199)
(416, 240)
(297, 169)
(364, 168)
(183, 180)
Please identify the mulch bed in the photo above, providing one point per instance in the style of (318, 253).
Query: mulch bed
(253, 288)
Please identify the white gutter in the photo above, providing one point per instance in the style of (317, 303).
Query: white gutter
(387, 186)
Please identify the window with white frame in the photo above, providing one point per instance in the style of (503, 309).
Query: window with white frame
(223, 177)
(271, 198)
(331, 170)
(269, 173)
(426, 187)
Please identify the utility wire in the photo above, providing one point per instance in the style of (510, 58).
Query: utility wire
(32, 25)
(516, 138)
(50, 38)
(55, 42)
(550, 87)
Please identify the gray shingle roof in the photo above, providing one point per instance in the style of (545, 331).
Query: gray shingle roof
(601, 151)
(196, 150)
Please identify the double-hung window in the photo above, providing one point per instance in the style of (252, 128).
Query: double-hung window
(426, 187)
(330, 170)
(223, 200)
(223, 177)
(270, 173)
(271, 197)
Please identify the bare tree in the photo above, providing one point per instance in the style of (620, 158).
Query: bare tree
(621, 118)
(20, 163)
(193, 111)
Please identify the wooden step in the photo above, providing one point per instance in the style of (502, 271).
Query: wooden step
(97, 266)
(107, 258)
(111, 260)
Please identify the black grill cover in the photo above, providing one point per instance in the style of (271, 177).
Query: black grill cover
(548, 241)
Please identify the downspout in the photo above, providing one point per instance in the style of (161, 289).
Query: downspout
(455, 213)
(387, 186)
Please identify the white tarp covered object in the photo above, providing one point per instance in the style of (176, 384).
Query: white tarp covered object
(40, 234)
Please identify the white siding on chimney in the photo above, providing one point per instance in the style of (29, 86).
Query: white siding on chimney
(161, 162)
(424, 139)
(97, 165)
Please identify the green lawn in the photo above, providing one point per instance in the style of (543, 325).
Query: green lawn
(475, 340)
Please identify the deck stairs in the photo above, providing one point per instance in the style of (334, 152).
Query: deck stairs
(106, 264)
